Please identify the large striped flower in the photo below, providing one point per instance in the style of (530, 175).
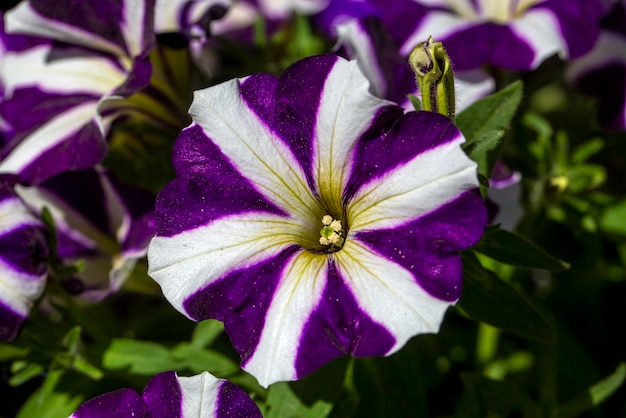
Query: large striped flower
(173, 396)
(313, 218)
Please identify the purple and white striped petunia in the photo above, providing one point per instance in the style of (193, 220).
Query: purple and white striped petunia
(314, 218)
(57, 97)
(168, 395)
(23, 254)
(103, 223)
(512, 34)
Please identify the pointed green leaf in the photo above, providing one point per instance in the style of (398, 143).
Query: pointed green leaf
(491, 113)
(515, 250)
(139, 357)
(479, 149)
(283, 402)
(488, 299)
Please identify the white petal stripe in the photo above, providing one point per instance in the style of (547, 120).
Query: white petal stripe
(14, 214)
(133, 25)
(414, 189)
(435, 24)
(388, 293)
(189, 261)
(199, 395)
(24, 19)
(256, 153)
(540, 29)
(345, 112)
(18, 290)
(91, 75)
(298, 293)
(48, 136)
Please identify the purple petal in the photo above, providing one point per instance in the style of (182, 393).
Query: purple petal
(162, 396)
(241, 300)
(207, 180)
(337, 327)
(23, 256)
(232, 402)
(122, 403)
(428, 247)
(411, 135)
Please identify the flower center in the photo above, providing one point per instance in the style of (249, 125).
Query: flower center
(499, 11)
(332, 233)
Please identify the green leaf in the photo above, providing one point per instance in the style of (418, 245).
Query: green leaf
(587, 149)
(613, 219)
(48, 403)
(515, 250)
(206, 332)
(595, 395)
(488, 299)
(140, 357)
(492, 113)
(282, 402)
(479, 149)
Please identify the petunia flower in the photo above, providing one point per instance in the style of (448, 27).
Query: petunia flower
(58, 96)
(99, 221)
(512, 34)
(173, 396)
(23, 254)
(314, 218)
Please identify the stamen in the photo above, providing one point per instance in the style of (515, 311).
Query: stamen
(332, 232)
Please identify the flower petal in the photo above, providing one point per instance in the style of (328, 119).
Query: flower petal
(187, 262)
(407, 173)
(428, 247)
(302, 280)
(250, 146)
(119, 27)
(23, 269)
(389, 294)
(120, 403)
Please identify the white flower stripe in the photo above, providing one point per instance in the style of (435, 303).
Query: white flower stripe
(537, 29)
(83, 75)
(199, 395)
(253, 149)
(413, 189)
(49, 135)
(24, 19)
(389, 294)
(297, 295)
(345, 112)
(189, 261)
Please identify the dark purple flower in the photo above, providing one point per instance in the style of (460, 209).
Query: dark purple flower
(314, 218)
(103, 223)
(23, 256)
(171, 396)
